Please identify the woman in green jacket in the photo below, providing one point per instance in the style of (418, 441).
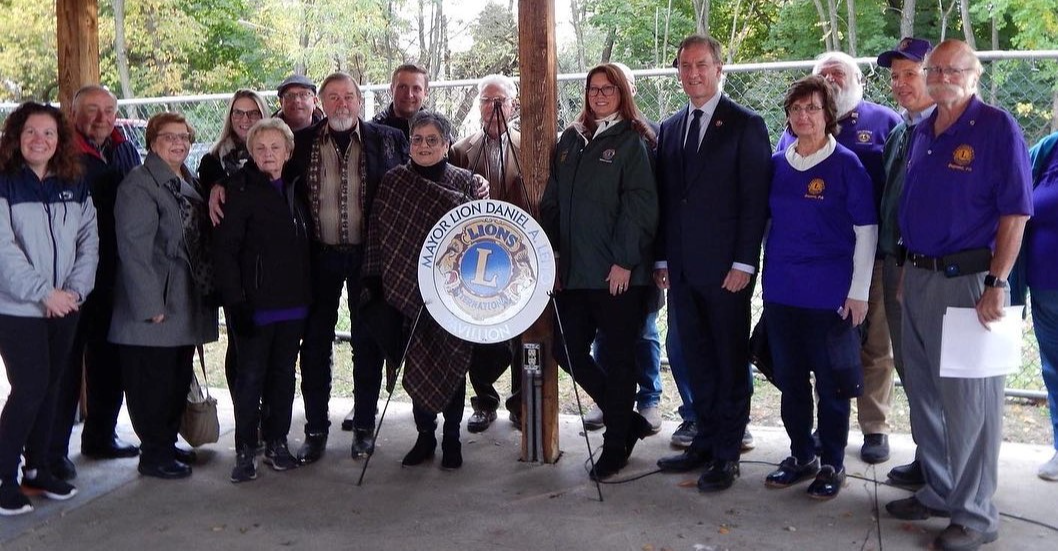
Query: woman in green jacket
(600, 210)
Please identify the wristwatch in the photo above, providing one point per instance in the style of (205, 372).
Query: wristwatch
(993, 281)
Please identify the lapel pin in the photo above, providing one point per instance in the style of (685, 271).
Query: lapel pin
(719, 124)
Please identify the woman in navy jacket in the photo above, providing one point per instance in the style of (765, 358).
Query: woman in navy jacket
(49, 249)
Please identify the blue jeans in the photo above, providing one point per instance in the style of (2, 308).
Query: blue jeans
(1045, 325)
(679, 367)
(648, 362)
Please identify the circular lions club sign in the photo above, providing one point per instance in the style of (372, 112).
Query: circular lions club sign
(485, 270)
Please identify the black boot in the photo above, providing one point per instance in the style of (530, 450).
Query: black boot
(451, 454)
(422, 450)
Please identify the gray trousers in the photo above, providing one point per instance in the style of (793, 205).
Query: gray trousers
(958, 422)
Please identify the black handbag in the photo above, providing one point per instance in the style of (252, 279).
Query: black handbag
(760, 351)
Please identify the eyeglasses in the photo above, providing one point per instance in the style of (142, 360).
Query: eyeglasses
(253, 114)
(604, 90)
(431, 141)
(810, 109)
(303, 95)
(489, 101)
(173, 138)
(946, 71)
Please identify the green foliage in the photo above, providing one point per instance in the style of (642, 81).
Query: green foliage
(27, 51)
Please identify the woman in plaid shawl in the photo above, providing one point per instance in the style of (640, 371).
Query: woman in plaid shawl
(410, 199)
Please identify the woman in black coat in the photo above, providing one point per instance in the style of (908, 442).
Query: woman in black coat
(262, 261)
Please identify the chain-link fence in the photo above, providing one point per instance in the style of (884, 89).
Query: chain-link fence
(1023, 83)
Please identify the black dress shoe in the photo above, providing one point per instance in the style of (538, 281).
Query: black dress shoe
(907, 475)
(363, 443)
(312, 450)
(609, 463)
(720, 475)
(689, 460)
(827, 483)
(347, 423)
(168, 471)
(451, 454)
(480, 420)
(187, 457)
(791, 472)
(63, 469)
(116, 448)
(910, 508)
(424, 448)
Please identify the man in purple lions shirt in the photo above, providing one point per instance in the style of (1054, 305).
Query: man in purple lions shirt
(966, 199)
(864, 127)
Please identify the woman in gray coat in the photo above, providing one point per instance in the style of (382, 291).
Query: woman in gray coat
(163, 305)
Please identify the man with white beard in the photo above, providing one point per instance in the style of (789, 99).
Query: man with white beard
(864, 127)
(338, 164)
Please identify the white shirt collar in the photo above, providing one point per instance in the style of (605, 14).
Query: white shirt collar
(605, 123)
(804, 163)
(708, 108)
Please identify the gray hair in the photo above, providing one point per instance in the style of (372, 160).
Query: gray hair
(83, 91)
(838, 57)
(505, 83)
(264, 125)
(424, 117)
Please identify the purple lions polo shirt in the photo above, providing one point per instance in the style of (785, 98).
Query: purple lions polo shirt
(1041, 233)
(959, 183)
(863, 131)
(808, 253)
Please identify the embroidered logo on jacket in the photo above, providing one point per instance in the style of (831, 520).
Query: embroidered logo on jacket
(815, 189)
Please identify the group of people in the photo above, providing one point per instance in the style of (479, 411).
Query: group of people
(865, 246)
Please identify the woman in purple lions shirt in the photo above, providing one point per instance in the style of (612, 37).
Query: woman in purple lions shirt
(818, 258)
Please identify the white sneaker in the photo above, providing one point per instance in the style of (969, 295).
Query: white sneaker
(593, 419)
(1049, 470)
(653, 416)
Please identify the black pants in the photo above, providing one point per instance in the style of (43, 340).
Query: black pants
(619, 320)
(714, 335)
(35, 352)
(158, 380)
(265, 373)
(486, 365)
(104, 386)
(331, 270)
(453, 415)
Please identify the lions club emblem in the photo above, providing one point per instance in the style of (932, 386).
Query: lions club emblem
(964, 155)
(485, 270)
(816, 188)
(864, 136)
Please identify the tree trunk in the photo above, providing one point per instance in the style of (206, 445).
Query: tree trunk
(121, 53)
(732, 46)
(832, 13)
(607, 47)
(1054, 111)
(301, 65)
(824, 25)
(945, 15)
(851, 5)
(967, 24)
(701, 17)
(577, 11)
(907, 19)
(994, 85)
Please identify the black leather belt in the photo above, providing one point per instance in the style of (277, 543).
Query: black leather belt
(966, 262)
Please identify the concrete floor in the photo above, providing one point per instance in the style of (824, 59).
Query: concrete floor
(495, 502)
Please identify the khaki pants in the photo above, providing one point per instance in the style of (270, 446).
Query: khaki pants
(877, 357)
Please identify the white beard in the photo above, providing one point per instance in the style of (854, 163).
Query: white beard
(340, 124)
(847, 99)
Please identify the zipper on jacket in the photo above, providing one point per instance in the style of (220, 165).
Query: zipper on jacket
(54, 245)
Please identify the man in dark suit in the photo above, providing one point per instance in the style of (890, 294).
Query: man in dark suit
(713, 173)
(340, 162)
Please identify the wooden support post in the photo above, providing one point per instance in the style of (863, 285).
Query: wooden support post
(539, 121)
(77, 31)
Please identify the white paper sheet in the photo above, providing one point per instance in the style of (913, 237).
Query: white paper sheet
(969, 351)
